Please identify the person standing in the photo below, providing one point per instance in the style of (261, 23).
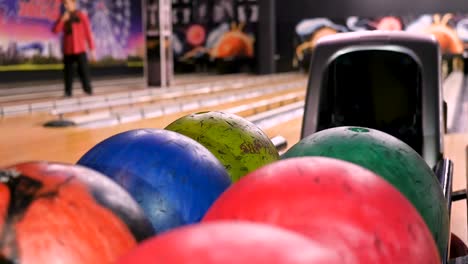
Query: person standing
(77, 39)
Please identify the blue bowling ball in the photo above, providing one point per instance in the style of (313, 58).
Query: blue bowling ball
(173, 178)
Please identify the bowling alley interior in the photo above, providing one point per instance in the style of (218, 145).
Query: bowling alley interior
(233, 131)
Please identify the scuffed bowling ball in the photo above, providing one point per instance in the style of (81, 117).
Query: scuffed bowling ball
(171, 176)
(59, 213)
(240, 145)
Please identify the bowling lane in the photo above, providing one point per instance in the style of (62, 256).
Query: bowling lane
(290, 130)
(49, 92)
(40, 92)
(455, 149)
(178, 96)
(69, 144)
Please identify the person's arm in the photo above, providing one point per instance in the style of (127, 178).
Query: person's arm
(58, 26)
(88, 33)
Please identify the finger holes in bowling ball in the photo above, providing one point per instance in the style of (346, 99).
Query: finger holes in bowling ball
(359, 129)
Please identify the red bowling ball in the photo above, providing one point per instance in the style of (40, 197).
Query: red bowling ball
(335, 203)
(196, 35)
(231, 243)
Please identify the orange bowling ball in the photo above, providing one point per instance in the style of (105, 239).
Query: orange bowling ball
(57, 213)
(233, 44)
(448, 39)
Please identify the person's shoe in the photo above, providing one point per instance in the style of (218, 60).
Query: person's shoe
(67, 95)
(89, 92)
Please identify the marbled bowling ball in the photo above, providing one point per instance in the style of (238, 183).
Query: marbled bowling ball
(59, 213)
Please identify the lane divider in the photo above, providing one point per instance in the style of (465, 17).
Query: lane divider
(56, 104)
(159, 110)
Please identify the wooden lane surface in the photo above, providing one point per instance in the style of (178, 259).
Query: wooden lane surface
(196, 94)
(45, 96)
(455, 149)
(102, 87)
(23, 138)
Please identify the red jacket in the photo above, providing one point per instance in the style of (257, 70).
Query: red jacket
(75, 42)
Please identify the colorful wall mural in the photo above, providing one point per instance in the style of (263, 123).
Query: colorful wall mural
(451, 31)
(27, 42)
(208, 31)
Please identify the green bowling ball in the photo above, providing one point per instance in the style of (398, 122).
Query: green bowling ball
(390, 158)
(240, 145)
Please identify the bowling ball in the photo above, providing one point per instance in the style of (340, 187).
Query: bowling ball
(390, 158)
(338, 204)
(234, 43)
(389, 23)
(196, 35)
(62, 213)
(240, 145)
(320, 33)
(231, 242)
(447, 37)
(171, 176)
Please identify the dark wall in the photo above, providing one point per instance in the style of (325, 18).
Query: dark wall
(290, 12)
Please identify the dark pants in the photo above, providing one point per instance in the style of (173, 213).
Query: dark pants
(83, 71)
